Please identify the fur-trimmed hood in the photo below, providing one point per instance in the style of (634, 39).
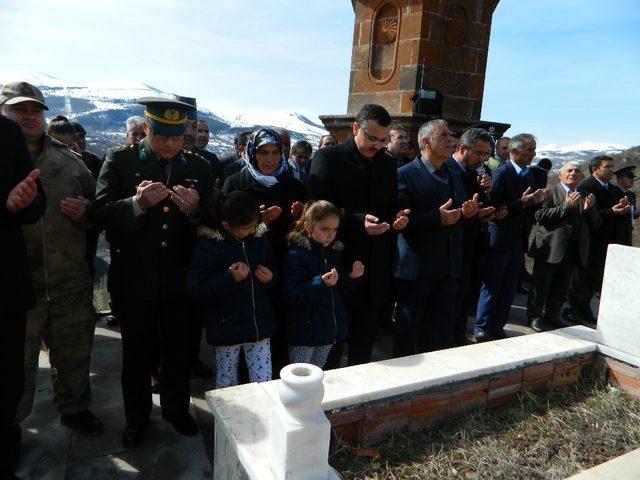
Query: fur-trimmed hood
(302, 240)
(221, 235)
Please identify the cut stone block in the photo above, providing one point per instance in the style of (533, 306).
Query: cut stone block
(619, 311)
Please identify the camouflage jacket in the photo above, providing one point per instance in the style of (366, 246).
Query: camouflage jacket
(56, 244)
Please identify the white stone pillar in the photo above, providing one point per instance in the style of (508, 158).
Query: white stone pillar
(300, 431)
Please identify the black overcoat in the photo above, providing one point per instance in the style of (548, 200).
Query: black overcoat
(360, 186)
(16, 290)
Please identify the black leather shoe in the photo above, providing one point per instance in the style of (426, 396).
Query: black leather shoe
(183, 424)
(84, 422)
(111, 321)
(481, 336)
(200, 370)
(133, 437)
(561, 323)
(576, 318)
(536, 325)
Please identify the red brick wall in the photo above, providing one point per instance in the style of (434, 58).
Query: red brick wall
(372, 423)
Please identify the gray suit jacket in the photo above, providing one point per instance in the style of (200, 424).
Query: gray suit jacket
(559, 228)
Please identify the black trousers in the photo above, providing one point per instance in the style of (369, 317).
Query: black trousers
(466, 294)
(425, 316)
(141, 324)
(586, 281)
(196, 316)
(549, 287)
(11, 390)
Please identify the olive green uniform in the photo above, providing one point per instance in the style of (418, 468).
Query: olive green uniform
(63, 316)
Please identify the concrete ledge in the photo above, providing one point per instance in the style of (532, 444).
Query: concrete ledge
(389, 378)
(624, 467)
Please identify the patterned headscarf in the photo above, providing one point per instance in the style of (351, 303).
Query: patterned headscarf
(264, 136)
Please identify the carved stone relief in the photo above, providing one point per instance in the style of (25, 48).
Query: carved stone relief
(385, 35)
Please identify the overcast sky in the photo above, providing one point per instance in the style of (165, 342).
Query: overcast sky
(567, 71)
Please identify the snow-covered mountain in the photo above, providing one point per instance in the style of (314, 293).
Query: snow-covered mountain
(102, 109)
(580, 152)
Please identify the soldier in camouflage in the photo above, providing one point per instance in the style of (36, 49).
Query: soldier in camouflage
(63, 316)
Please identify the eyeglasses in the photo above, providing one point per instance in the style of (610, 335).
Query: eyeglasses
(375, 139)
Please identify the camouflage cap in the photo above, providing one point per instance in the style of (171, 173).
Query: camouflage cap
(17, 92)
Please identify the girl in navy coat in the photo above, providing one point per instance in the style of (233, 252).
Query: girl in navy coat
(316, 318)
(231, 269)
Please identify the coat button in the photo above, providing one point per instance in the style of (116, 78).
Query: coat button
(165, 226)
(164, 244)
(165, 209)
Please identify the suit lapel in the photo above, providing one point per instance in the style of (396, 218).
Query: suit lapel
(558, 195)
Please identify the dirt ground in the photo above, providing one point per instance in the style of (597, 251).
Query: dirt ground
(549, 435)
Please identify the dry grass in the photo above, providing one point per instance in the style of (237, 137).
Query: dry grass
(549, 435)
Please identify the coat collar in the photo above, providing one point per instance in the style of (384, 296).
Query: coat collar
(302, 240)
(221, 235)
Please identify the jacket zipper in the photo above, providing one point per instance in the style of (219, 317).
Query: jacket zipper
(253, 297)
(333, 304)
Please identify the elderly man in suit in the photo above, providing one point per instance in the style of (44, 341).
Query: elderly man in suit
(513, 190)
(559, 245)
(613, 210)
(428, 260)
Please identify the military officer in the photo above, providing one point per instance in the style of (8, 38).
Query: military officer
(149, 200)
(625, 177)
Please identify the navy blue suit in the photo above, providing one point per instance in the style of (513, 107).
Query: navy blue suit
(428, 260)
(507, 244)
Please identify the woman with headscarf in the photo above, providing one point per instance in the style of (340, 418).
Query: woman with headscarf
(268, 177)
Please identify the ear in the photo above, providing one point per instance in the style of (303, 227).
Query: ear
(308, 227)
(225, 225)
(355, 128)
(146, 128)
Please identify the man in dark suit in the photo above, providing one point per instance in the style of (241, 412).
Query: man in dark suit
(360, 177)
(21, 202)
(428, 260)
(559, 245)
(625, 177)
(513, 190)
(612, 209)
(474, 147)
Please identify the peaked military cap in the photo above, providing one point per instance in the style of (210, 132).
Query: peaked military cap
(627, 171)
(191, 114)
(18, 92)
(166, 116)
